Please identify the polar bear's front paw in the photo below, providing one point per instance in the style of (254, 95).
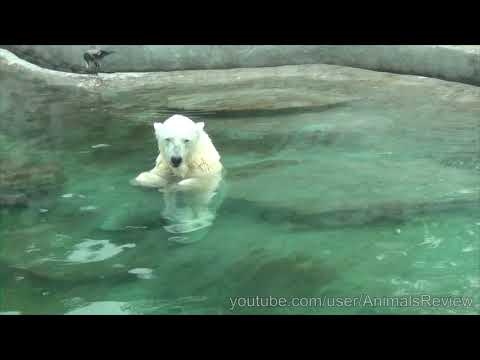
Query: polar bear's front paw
(188, 184)
(169, 188)
(149, 180)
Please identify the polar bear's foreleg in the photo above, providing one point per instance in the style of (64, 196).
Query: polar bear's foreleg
(207, 183)
(190, 184)
(150, 179)
(170, 208)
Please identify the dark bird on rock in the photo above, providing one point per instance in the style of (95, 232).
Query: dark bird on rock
(95, 56)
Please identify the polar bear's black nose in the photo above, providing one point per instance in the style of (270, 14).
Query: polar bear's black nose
(176, 160)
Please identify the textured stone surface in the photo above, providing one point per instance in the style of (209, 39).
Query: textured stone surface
(239, 89)
(455, 63)
(24, 172)
(414, 113)
(13, 200)
(356, 192)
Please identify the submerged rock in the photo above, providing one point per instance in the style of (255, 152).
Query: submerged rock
(321, 193)
(31, 179)
(25, 172)
(13, 200)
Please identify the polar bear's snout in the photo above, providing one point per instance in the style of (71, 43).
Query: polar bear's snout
(176, 160)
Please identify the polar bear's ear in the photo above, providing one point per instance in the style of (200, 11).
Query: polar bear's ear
(158, 127)
(200, 125)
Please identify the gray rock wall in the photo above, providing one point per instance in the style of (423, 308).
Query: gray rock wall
(454, 63)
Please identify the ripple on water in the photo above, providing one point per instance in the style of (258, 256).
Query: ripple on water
(103, 308)
(474, 282)
(142, 273)
(468, 248)
(95, 250)
(380, 257)
(131, 227)
(88, 208)
(71, 195)
(431, 240)
(99, 146)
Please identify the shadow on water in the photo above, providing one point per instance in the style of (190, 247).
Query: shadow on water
(278, 113)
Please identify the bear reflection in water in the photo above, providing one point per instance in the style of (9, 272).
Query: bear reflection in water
(188, 172)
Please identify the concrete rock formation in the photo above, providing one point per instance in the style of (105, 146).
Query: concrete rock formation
(454, 63)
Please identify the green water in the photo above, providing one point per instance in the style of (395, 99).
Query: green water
(335, 203)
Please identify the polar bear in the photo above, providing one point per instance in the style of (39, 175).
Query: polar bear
(188, 163)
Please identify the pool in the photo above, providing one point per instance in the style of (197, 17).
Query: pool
(366, 206)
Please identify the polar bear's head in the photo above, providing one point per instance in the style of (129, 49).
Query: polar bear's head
(177, 138)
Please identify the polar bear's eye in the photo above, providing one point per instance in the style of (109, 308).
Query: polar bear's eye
(168, 139)
(186, 141)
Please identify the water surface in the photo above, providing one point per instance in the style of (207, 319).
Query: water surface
(364, 198)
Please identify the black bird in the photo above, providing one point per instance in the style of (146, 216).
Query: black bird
(94, 56)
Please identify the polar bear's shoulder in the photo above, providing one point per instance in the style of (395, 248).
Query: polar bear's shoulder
(205, 158)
